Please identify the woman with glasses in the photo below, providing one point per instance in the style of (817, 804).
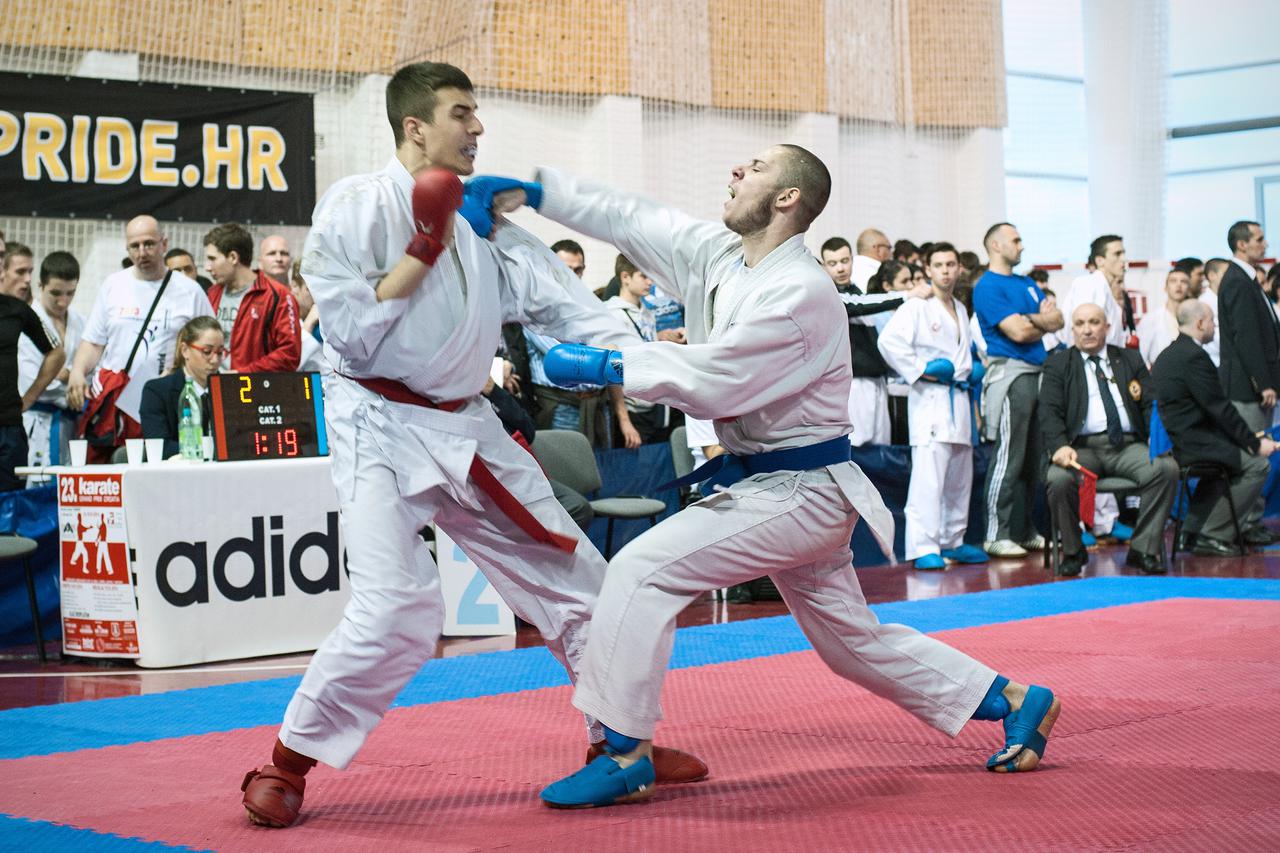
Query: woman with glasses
(199, 351)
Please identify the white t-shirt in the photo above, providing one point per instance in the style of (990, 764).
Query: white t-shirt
(116, 320)
(228, 310)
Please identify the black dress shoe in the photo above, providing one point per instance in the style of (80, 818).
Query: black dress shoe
(1071, 565)
(1185, 541)
(1148, 564)
(1259, 537)
(1208, 547)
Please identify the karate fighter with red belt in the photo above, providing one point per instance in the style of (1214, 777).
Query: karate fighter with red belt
(412, 302)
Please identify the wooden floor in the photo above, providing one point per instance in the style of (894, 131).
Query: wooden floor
(24, 681)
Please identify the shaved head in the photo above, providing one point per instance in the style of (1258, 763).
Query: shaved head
(804, 171)
(146, 245)
(870, 242)
(1190, 311)
(1087, 310)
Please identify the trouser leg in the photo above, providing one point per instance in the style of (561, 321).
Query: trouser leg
(1062, 494)
(1014, 467)
(925, 496)
(1157, 481)
(1245, 488)
(388, 629)
(1257, 419)
(939, 685)
(958, 484)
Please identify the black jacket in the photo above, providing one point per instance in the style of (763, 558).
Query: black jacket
(1249, 335)
(1203, 424)
(866, 358)
(158, 410)
(1064, 394)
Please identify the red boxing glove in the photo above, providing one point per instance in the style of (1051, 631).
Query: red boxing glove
(437, 193)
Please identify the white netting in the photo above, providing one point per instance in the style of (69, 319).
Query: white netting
(662, 96)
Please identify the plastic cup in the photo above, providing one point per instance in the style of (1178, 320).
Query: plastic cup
(206, 447)
(133, 448)
(79, 452)
(155, 449)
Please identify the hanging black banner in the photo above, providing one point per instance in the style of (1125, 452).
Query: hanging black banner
(109, 149)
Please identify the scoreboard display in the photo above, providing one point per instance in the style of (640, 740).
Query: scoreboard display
(267, 416)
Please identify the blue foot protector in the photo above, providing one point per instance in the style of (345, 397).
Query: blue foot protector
(930, 562)
(994, 706)
(603, 782)
(1088, 540)
(1026, 732)
(1121, 532)
(966, 554)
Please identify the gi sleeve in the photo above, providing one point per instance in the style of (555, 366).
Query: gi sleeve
(723, 378)
(668, 245)
(897, 343)
(539, 291)
(342, 263)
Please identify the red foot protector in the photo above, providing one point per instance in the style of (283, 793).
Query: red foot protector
(1164, 743)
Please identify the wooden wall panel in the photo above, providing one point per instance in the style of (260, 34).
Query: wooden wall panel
(563, 46)
(957, 63)
(767, 56)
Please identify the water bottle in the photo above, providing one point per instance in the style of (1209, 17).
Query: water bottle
(190, 429)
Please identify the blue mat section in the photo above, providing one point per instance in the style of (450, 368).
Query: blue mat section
(18, 833)
(106, 722)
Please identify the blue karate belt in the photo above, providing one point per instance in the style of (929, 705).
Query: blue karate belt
(952, 387)
(726, 469)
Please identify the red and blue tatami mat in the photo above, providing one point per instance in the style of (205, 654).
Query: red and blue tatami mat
(1169, 686)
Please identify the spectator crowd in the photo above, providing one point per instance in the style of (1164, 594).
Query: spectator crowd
(947, 354)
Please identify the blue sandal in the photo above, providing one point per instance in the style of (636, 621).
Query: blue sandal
(1026, 732)
(603, 782)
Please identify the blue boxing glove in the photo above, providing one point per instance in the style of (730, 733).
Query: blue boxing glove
(979, 371)
(940, 370)
(477, 201)
(569, 365)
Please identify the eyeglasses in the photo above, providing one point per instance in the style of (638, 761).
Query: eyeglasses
(208, 351)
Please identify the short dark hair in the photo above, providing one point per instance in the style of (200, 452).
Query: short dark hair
(411, 91)
(969, 260)
(935, 248)
(231, 237)
(835, 244)
(1098, 248)
(177, 253)
(1212, 265)
(570, 246)
(61, 265)
(1040, 277)
(991, 232)
(1239, 232)
(14, 249)
(1188, 264)
(904, 249)
(624, 265)
(802, 169)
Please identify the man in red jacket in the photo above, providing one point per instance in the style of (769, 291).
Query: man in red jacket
(258, 314)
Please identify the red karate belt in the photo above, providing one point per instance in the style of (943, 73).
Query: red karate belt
(1088, 494)
(398, 392)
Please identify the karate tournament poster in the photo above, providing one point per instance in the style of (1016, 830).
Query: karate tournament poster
(99, 610)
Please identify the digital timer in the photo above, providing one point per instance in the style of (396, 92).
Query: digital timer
(267, 415)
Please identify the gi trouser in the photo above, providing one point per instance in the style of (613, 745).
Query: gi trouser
(396, 612)
(796, 528)
(868, 411)
(1257, 419)
(937, 509)
(1013, 470)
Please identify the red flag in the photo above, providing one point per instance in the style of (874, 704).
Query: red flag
(1088, 494)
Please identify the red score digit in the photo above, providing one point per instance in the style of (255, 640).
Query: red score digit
(291, 442)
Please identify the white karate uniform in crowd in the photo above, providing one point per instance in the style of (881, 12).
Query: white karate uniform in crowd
(768, 361)
(868, 395)
(398, 467)
(1156, 330)
(940, 425)
(39, 424)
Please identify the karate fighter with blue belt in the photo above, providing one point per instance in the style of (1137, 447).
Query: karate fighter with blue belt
(768, 361)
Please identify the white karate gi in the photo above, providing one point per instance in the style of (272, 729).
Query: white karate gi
(868, 395)
(399, 467)
(768, 360)
(1214, 347)
(39, 424)
(940, 423)
(1156, 330)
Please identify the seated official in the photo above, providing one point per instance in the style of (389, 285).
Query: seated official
(1205, 427)
(1095, 408)
(198, 353)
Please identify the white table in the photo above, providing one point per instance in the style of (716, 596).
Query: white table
(227, 560)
